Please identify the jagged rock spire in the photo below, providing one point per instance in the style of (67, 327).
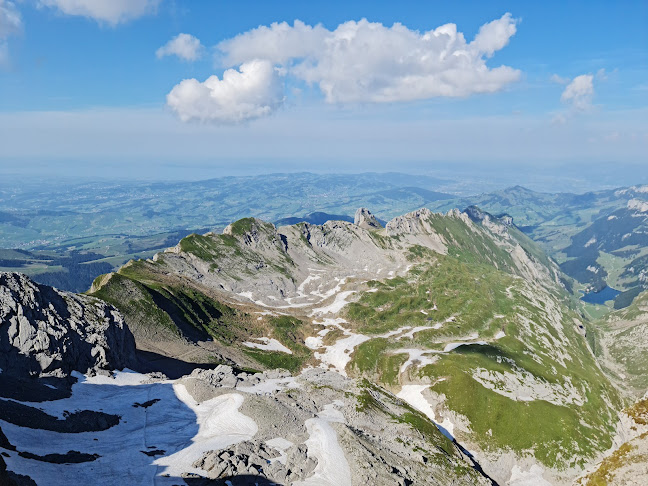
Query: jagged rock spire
(364, 219)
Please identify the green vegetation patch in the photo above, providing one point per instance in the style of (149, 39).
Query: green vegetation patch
(560, 436)
(291, 332)
(135, 302)
(183, 310)
(471, 293)
(276, 359)
(372, 358)
(210, 248)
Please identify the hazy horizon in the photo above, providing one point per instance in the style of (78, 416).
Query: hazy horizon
(461, 178)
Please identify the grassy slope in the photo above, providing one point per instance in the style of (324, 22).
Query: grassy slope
(467, 286)
(146, 298)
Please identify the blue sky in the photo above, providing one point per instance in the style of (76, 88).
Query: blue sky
(80, 81)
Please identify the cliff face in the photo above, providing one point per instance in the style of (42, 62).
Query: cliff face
(45, 332)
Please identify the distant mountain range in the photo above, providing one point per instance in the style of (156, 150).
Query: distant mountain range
(598, 238)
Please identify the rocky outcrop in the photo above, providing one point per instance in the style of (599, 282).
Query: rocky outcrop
(627, 463)
(332, 430)
(45, 332)
(259, 460)
(410, 223)
(364, 219)
(477, 215)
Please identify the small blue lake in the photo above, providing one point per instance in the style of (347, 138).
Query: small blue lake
(600, 297)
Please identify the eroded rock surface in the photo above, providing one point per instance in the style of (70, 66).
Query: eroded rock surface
(45, 332)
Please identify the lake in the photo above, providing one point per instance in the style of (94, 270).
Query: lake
(600, 297)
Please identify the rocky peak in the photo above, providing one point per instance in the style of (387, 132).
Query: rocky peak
(411, 223)
(47, 332)
(256, 234)
(506, 219)
(476, 214)
(364, 219)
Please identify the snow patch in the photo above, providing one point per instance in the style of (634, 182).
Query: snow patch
(174, 423)
(532, 477)
(339, 302)
(332, 467)
(220, 425)
(413, 394)
(410, 334)
(268, 344)
(451, 346)
(338, 355)
(415, 355)
(282, 445)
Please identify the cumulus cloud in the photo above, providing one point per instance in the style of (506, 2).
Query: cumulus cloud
(278, 43)
(368, 62)
(10, 24)
(185, 46)
(112, 12)
(359, 62)
(579, 92)
(495, 35)
(253, 91)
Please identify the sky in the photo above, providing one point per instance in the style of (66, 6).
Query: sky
(171, 89)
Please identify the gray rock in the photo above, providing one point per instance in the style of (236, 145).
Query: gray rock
(364, 219)
(45, 332)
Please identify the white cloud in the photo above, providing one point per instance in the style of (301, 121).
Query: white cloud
(559, 79)
(495, 35)
(579, 92)
(111, 12)
(10, 24)
(185, 46)
(10, 20)
(278, 43)
(367, 62)
(254, 91)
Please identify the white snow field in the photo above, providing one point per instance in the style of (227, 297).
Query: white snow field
(220, 425)
(175, 424)
(415, 355)
(332, 467)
